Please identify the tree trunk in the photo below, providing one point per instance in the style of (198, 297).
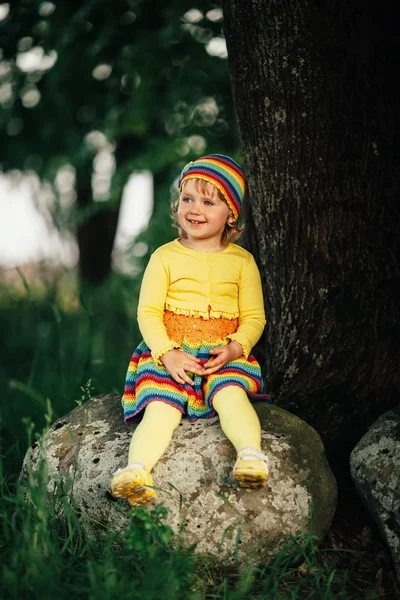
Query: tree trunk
(98, 222)
(315, 91)
(96, 232)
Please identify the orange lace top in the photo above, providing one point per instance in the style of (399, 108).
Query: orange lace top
(196, 329)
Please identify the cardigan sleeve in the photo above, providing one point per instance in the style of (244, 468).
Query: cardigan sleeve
(152, 296)
(251, 308)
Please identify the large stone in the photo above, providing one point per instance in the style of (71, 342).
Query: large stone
(194, 478)
(375, 469)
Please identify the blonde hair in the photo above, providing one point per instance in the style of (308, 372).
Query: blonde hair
(231, 232)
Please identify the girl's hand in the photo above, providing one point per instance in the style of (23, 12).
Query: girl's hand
(177, 363)
(224, 355)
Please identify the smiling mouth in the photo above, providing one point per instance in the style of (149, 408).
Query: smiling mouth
(193, 222)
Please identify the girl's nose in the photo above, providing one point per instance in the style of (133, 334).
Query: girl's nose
(195, 208)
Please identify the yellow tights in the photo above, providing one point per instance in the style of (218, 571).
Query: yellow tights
(153, 435)
(238, 419)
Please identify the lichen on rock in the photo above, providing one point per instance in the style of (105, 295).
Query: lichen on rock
(205, 504)
(375, 469)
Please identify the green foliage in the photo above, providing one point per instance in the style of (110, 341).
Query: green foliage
(46, 554)
(151, 90)
(56, 342)
(138, 72)
(87, 393)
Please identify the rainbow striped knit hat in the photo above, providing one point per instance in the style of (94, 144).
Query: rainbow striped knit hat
(221, 171)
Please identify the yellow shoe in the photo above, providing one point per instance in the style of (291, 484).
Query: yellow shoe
(134, 483)
(251, 468)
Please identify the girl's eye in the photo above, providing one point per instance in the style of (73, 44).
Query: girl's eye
(186, 199)
(208, 203)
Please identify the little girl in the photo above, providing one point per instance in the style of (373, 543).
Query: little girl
(200, 313)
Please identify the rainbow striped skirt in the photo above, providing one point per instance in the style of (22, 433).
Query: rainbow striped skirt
(146, 381)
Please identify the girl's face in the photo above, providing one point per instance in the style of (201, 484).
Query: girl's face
(202, 214)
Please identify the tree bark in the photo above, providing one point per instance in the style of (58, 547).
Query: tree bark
(96, 232)
(314, 86)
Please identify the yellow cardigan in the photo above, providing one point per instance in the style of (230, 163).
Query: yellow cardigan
(202, 284)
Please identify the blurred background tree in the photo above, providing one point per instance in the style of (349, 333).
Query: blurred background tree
(89, 88)
(132, 84)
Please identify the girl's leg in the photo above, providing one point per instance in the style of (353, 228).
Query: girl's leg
(239, 420)
(153, 434)
(240, 423)
(148, 444)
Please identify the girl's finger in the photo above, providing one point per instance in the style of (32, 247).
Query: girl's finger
(183, 378)
(217, 350)
(213, 362)
(190, 366)
(194, 371)
(209, 363)
(187, 379)
(193, 367)
(216, 367)
(198, 371)
(191, 357)
(177, 378)
(213, 370)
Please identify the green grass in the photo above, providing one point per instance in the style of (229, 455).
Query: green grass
(54, 343)
(45, 554)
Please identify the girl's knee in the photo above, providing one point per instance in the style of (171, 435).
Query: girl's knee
(230, 395)
(161, 410)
